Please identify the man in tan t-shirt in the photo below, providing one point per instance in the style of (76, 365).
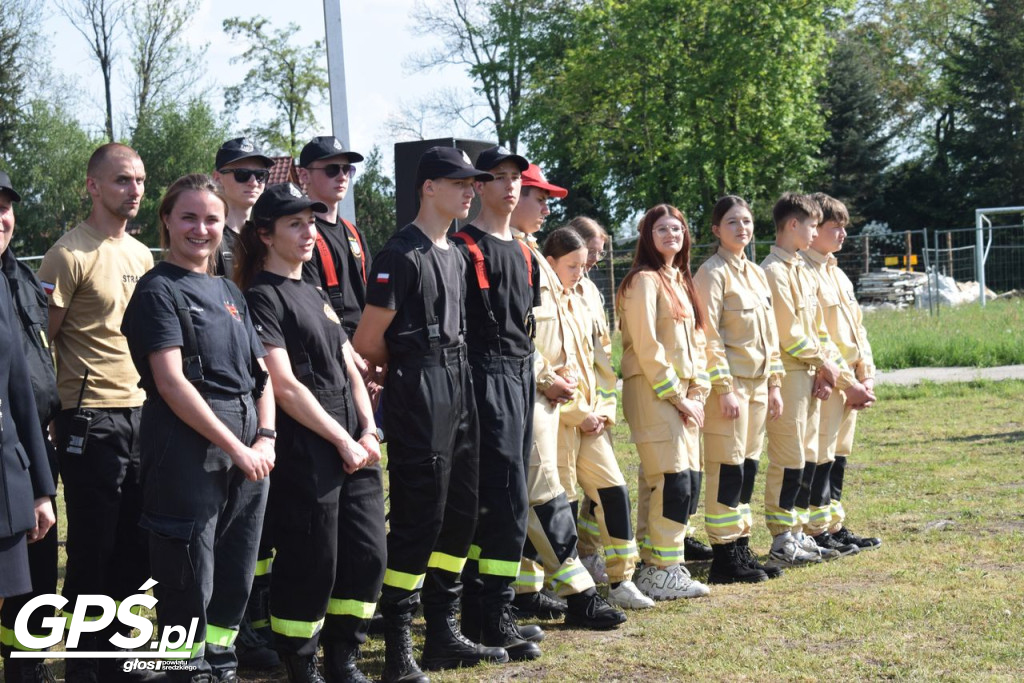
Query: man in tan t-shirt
(89, 276)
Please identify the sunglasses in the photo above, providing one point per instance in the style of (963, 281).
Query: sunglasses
(332, 170)
(242, 175)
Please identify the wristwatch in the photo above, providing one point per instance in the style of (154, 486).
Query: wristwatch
(377, 433)
(266, 433)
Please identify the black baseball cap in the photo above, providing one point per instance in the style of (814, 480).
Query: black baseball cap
(447, 162)
(324, 146)
(492, 156)
(5, 186)
(282, 199)
(238, 149)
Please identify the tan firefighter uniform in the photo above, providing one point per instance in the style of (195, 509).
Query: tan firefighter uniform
(662, 362)
(805, 346)
(551, 535)
(743, 358)
(844, 321)
(587, 459)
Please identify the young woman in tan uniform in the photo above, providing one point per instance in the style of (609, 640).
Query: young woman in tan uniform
(746, 371)
(663, 393)
(585, 453)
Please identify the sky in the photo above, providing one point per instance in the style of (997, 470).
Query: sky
(377, 39)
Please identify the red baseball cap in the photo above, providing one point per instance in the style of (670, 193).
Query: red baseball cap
(533, 177)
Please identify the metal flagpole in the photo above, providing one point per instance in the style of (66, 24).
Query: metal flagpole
(339, 97)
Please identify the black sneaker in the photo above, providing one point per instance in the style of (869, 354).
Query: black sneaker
(695, 551)
(538, 606)
(844, 535)
(826, 540)
(589, 610)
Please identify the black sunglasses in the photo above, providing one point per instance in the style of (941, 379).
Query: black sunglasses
(242, 175)
(332, 170)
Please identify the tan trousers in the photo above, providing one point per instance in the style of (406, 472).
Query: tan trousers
(727, 444)
(589, 461)
(844, 446)
(566, 576)
(792, 441)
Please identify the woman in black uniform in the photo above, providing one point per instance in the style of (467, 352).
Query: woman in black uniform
(326, 508)
(206, 447)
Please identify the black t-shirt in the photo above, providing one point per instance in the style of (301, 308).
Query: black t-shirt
(226, 252)
(512, 299)
(225, 336)
(394, 283)
(350, 257)
(296, 316)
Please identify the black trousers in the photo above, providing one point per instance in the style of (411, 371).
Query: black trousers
(204, 519)
(431, 422)
(504, 388)
(42, 566)
(330, 537)
(107, 551)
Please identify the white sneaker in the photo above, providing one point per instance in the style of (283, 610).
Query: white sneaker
(811, 546)
(595, 565)
(787, 551)
(669, 583)
(628, 596)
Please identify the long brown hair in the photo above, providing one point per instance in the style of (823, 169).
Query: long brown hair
(647, 258)
(193, 182)
(250, 250)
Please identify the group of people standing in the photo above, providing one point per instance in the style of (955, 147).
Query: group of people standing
(217, 426)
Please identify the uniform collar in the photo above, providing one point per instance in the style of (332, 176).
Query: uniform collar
(737, 262)
(787, 256)
(524, 237)
(815, 256)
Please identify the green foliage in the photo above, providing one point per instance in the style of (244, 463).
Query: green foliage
(18, 39)
(47, 166)
(174, 140)
(682, 101)
(967, 335)
(284, 74)
(375, 201)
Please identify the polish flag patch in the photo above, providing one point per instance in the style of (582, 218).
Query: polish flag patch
(48, 288)
(383, 278)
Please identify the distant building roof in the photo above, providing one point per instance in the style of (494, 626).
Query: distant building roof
(283, 171)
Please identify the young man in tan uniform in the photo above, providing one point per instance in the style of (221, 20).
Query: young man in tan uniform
(89, 276)
(811, 376)
(844, 320)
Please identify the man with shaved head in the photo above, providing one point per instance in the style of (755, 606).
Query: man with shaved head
(89, 276)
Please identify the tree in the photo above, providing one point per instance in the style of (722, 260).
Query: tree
(375, 201)
(683, 101)
(497, 41)
(98, 22)
(291, 79)
(18, 43)
(987, 79)
(174, 140)
(163, 66)
(47, 165)
(856, 151)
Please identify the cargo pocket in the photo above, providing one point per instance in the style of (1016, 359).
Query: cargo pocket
(22, 455)
(170, 549)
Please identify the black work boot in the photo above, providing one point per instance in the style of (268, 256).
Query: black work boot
(728, 566)
(302, 669)
(530, 632)
(538, 606)
(340, 663)
(399, 665)
(695, 551)
(500, 630)
(750, 559)
(27, 671)
(446, 648)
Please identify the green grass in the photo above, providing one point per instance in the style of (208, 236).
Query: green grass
(967, 335)
(936, 473)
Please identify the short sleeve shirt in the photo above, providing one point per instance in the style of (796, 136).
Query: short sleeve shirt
(296, 316)
(512, 296)
(92, 277)
(225, 336)
(352, 263)
(395, 283)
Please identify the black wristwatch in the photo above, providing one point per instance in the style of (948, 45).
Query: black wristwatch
(266, 434)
